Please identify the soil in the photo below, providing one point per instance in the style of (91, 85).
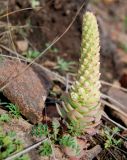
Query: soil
(41, 26)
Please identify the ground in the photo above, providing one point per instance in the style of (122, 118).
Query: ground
(28, 30)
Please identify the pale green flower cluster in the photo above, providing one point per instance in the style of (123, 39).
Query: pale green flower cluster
(85, 92)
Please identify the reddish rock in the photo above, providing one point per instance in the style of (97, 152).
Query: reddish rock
(25, 89)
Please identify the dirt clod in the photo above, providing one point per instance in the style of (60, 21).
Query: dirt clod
(22, 45)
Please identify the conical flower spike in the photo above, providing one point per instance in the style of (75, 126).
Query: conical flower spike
(83, 102)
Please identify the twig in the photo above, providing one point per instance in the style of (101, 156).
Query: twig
(119, 149)
(113, 100)
(113, 107)
(20, 10)
(28, 149)
(112, 85)
(51, 74)
(67, 82)
(115, 133)
(117, 124)
(10, 34)
(112, 154)
(23, 9)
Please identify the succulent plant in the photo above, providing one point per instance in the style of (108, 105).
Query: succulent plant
(82, 103)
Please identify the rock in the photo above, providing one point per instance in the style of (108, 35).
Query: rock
(27, 90)
(22, 45)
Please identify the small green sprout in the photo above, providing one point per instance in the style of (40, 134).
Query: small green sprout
(4, 117)
(1, 58)
(23, 157)
(12, 134)
(110, 140)
(45, 149)
(56, 128)
(31, 54)
(40, 130)
(14, 110)
(35, 3)
(52, 49)
(63, 65)
(75, 128)
(9, 144)
(69, 141)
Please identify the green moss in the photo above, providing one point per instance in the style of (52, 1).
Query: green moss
(9, 145)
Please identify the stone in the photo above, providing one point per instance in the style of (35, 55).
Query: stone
(24, 88)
